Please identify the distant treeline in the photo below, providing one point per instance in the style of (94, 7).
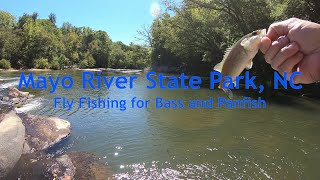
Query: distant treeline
(30, 42)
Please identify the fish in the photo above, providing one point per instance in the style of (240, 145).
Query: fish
(239, 57)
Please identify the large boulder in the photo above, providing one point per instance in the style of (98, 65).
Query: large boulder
(28, 135)
(4, 109)
(12, 139)
(43, 132)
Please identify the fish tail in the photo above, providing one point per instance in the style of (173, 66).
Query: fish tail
(228, 92)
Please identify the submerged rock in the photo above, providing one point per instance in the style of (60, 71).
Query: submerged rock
(74, 165)
(88, 166)
(43, 132)
(12, 139)
(62, 168)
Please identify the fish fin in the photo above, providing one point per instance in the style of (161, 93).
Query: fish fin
(219, 66)
(226, 53)
(249, 65)
(228, 92)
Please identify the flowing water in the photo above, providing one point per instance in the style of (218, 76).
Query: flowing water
(279, 142)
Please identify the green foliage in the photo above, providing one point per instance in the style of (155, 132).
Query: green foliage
(6, 20)
(87, 62)
(190, 37)
(34, 16)
(32, 38)
(5, 64)
(132, 56)
(193, 34)
(91, 61)
(41, 63)
(117, 57)
(55, 65)
(83, 64)
(52, 18)
(62, 60)
(304, 9)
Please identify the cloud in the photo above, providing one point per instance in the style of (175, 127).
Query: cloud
(155, 9)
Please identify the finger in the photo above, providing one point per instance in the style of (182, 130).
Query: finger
(285, 53)
(265, 44)
(275, 47)
(299, 78)
(308, 71)
(289, 65)
(279, 29)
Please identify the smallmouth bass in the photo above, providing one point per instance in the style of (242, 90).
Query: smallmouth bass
(239, 57)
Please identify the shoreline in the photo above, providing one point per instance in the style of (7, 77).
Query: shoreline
(34, 135)
(124, 71)
(89, 69)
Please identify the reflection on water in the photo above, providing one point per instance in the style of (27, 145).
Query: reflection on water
(279, 142)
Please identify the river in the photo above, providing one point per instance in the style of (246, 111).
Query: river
(279, 142)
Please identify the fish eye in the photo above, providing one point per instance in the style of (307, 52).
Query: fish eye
(254, 33)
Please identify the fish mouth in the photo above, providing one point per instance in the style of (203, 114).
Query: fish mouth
(262, 32)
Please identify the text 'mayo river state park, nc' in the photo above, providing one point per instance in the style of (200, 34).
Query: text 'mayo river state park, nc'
(173, 82)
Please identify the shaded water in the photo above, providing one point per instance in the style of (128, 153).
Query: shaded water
(280, 142)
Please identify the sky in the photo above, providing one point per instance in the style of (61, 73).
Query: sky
(121, 19)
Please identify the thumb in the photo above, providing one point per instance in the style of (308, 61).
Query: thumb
(279, 29)
(265, 44)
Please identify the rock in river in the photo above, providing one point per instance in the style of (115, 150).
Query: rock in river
(4, 109)
(18, 98)
(12, 138)
(43, 132)
(88, 166)
(28, 135)
(72, 165)
(15, 93)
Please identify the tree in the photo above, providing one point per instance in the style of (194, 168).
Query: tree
(67, 27)
(99, 47)
(117, 57)
(34, 16)
(52, 18)
(33, 42)
(304, 9)
(6, 20)
(145, 35)
(40, 39)
(10, 44)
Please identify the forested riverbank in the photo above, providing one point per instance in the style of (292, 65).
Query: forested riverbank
(29, 42)
(192, 35)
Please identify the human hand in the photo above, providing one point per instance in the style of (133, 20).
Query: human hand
(294, 45)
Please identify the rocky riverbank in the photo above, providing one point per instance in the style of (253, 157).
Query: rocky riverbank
(24, 139)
